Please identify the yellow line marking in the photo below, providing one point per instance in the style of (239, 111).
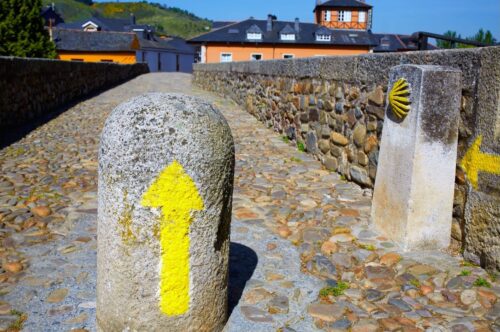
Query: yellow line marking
(176, 194)
(476, 161)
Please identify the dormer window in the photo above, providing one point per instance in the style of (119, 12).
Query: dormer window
(345, 16)
(385, 42)
(323, 34)
(287, 36)
(254, 33)
(90, 26)
(288, 33)
(323, 38)
(254, 36)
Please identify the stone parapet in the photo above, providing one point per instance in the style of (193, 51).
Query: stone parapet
(30, 88)
(335, 107)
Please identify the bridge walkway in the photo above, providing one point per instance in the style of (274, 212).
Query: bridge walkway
(303, 254)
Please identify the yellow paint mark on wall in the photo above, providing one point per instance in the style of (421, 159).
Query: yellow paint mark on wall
(398, 98)
(476, 161)
(125, 221)
(176, 194)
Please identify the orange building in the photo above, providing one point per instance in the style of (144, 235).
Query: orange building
(101, 46)
(254, 40)
(343, 14)
(99, 39)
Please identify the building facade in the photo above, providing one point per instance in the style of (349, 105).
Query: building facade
(343, 14)
(254, 40)
(104, 46)
(97, 40)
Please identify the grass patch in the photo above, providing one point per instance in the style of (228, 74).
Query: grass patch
(14, 152)
(334, 291)
(17, 325)
(465, 273)
(301, 147)
(415, 283)
(468, 264)
(297, 160)
(493, 276)
(481, 282)
(285, 139)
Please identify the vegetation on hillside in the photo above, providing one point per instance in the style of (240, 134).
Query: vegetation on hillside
(22, 31)
(168, 20)
(481, 36)
(71, 10)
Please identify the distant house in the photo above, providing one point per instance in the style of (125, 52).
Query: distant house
(390, 42)
(341, 28)
(104, 46)
(161, 54)
(343, 14)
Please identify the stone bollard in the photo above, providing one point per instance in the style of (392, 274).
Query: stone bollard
(166, 169)
(414, 188)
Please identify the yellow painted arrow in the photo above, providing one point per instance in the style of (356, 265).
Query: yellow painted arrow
(476, 161)
(176, 194)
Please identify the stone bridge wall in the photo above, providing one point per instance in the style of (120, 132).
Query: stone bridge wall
(335, 106)
(29, 88)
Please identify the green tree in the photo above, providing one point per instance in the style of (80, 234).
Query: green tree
(445, 43)
(22, 31)
(483, 37)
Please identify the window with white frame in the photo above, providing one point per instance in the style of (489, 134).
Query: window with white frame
(287, 36)
(362, 17)
(323, 38)
(328, 16)
(288, 56)
(226, 57)
(256, 56)
(345, 16)
(254, 36)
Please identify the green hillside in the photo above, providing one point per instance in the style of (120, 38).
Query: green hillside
(172, 21)
(71, 10)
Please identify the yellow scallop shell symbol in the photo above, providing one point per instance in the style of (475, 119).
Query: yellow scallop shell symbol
(399, 98)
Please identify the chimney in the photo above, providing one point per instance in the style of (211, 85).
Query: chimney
(132, 18)
(269, 22)
(318, 2)
(297, 25)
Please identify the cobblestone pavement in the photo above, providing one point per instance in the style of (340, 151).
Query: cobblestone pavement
(303, 256)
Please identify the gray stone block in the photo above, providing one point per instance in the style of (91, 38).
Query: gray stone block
(146, 205)
(414, 189)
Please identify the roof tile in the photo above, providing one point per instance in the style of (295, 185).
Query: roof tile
(236, 33)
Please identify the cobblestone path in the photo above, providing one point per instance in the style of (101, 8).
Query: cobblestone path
(303, 256)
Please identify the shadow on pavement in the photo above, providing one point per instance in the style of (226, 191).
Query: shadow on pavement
(242, 263)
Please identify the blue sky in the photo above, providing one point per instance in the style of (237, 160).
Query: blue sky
(398, 16)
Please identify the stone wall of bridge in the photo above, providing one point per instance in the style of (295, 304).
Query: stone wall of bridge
(335, 108)
(30, 88)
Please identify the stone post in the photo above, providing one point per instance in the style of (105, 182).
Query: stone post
(166, 168)
(413, 198)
